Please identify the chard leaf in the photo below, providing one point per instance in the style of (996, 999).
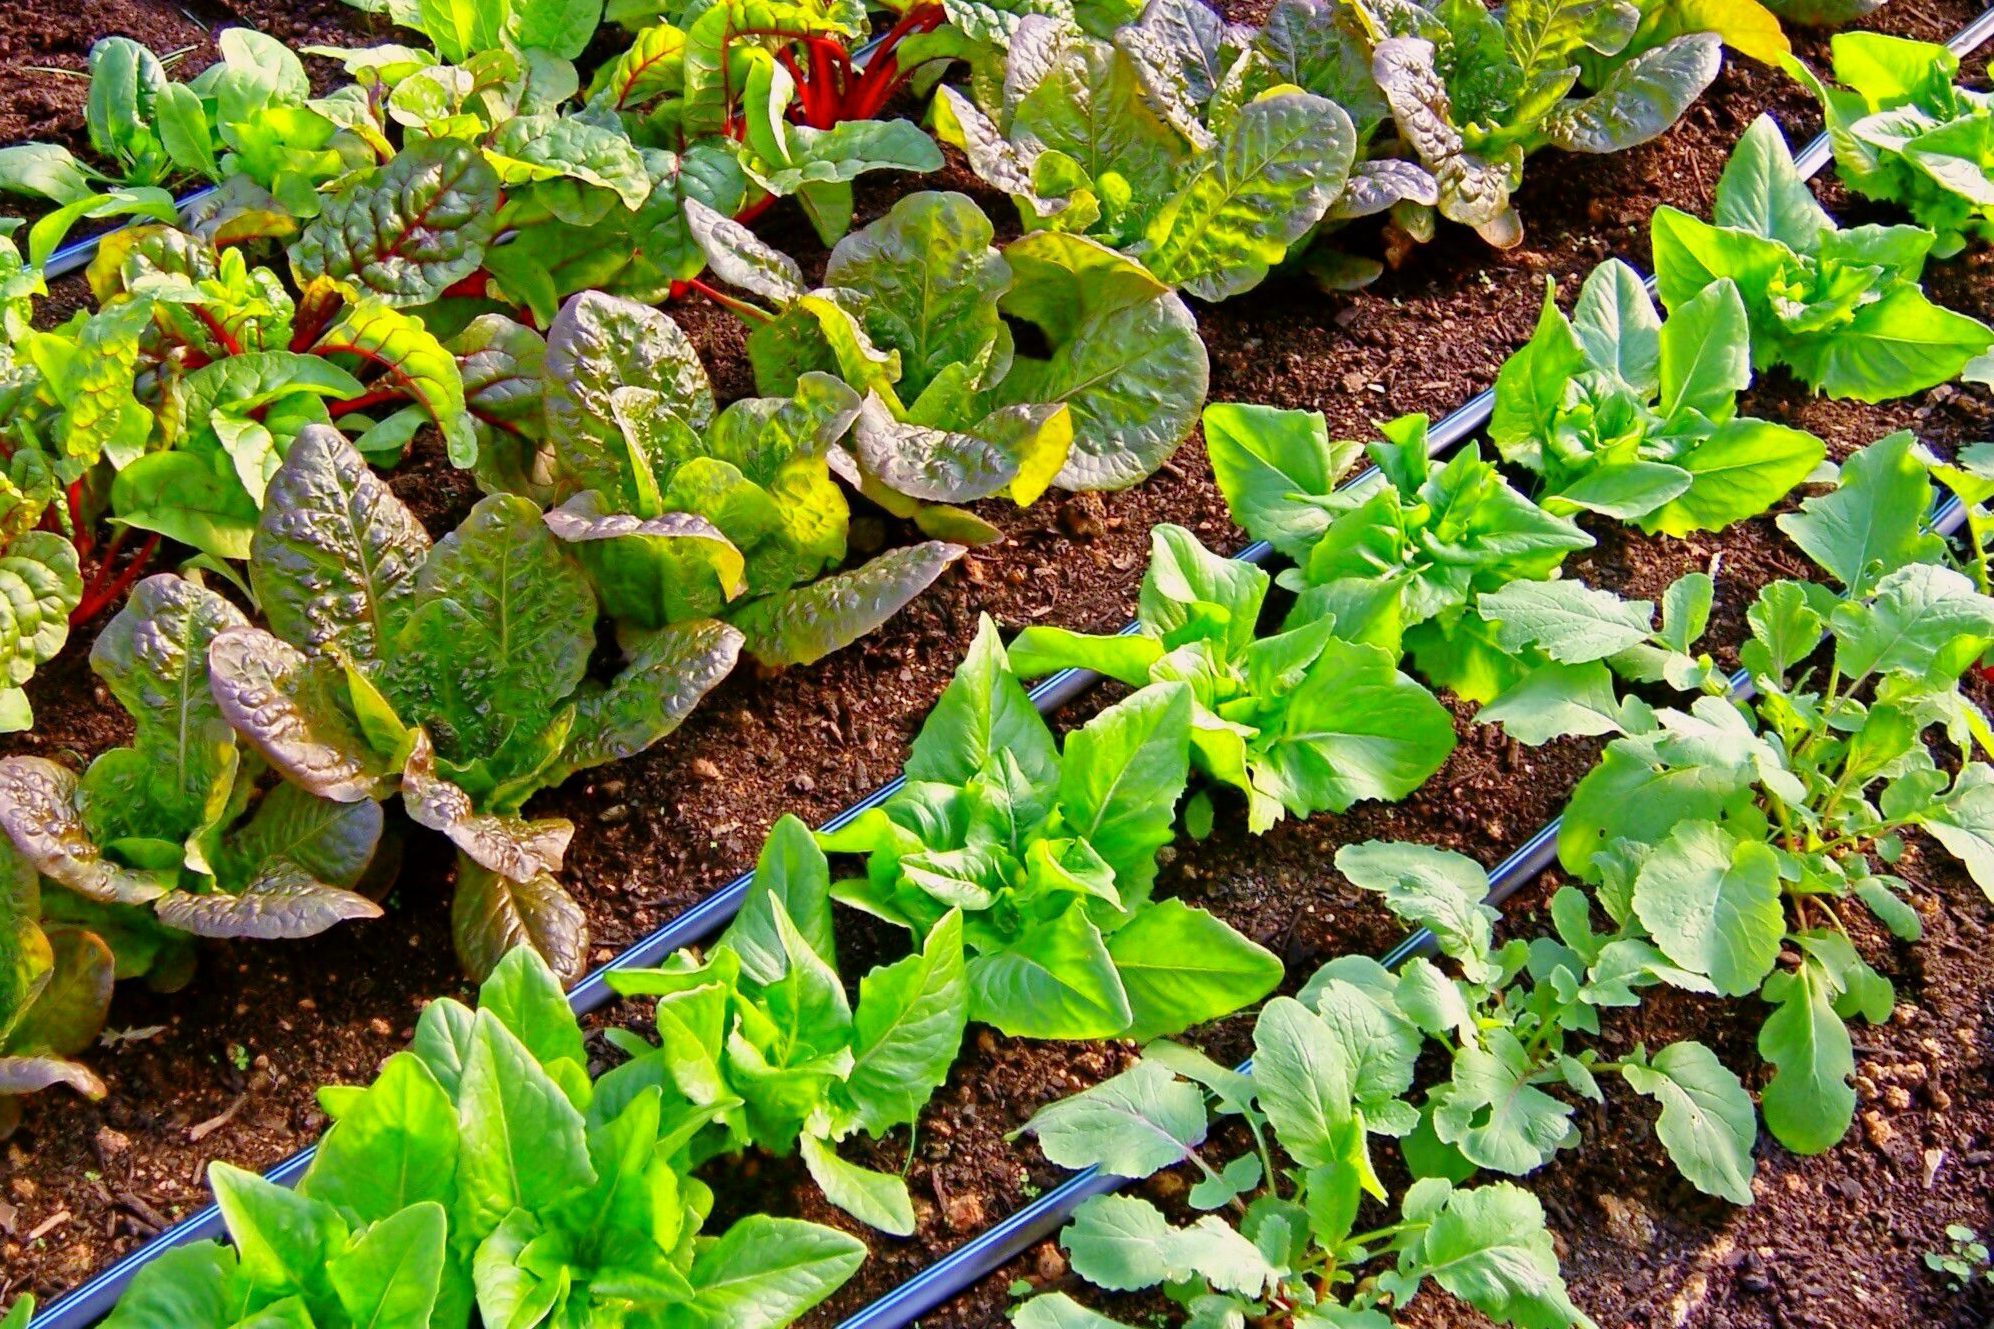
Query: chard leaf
(529, 148)
(289, 709)
(805, 624)
(1640, 99)
(65, 1014)
(332, 842)
(1125, 357)
(490, 914)
(669, 673)
(1473, 192)
(514, 848)
(281, 901)
(1739, 471)
(597, 344)
(502, 364)
(422, 223)
(741, 258)
(1275, 171)
(336, 554)
(414, 361)
(650, 572)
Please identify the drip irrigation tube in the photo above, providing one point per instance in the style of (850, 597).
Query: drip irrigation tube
(995, 1247)
(942, 1281)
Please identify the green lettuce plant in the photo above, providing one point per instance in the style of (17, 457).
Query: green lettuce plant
(485, 1173)
(1735, 836)
(169, 838)
(1049, 853)
(456, 673)
(1397, 564)
(1841, 307)
(681, 511)
(1299, 721)
(915, 312)
(1623, 414)
(1905, 132)
(760, 1031)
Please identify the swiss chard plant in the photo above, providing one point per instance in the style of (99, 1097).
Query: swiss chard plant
(1841, 307)
(1299, 721)
(167, 408)
(1136, 144)
(761, 1033)
(916, 313)
(485, 1174)
(1736, 836)
(679, 511)
(1474, 92)
(456, 673)
(55, 986)
(1621, 413)
(459, 30)
(170, 838)
(1905, 132)
(40, 587)
(1049, 853)
(1397, 564)
(251, 115)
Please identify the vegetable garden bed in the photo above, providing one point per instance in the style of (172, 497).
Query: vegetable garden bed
(228, 1069)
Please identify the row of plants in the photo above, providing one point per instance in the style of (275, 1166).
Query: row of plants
(457, 675)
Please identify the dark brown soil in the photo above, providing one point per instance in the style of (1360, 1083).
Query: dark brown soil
(83, 1182)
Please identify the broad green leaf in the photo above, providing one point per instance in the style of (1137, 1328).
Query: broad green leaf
(1124, 1243)
(1873, 522)
(597, 344)
(1615, 321)
(1741, 470)
(1571, 622)
(522, 1143)
(1712, 903)
(407, 233)
(336, 554)
(1922, 619)
(1120, 779)
(1055, 980)
(1640, 99)
(1808, 1103)
(1182, 966)
(1708, 1124)
(394, 1146)
(803, 625)
(1056, 1310)
(390, 1277)
(283, 1238)
(1489, 1247)
(1493, 1111)
(1303, 1079)
(792, 873)
(1761, 191)
(1133, 1125)
(982, 712)
(877, 1199)
(1705, 356)
(765, 1272)
(1268, 462)
(1557, 701)
(1434, 888)
(908, 1028)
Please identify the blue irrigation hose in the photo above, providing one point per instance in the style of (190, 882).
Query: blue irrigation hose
(996, 1246)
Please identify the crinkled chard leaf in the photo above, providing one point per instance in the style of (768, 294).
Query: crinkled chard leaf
(292, 710)
(597, 344)
(413, 360)
(406, 234)
(40, 584)
(804, 625)
(502, 363)
(654, 571)
(668, 674)
(38, 810)
(741, 258)
(282, 901)
(530, 148)
(1126, 358)
(336, 554)
(1473, 192)
(1640, 99)
(490, 914)
(515, 848)
(1274, 172)
(334, 842)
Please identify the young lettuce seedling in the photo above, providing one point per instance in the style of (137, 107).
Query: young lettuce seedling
(1398, 565)
(913, 314)
(760, 1030)
(1050, 855)
(1734, 836)
(169, 838)
(456, 673)
(1905, 132)
(1300, 721)
(484, 1172)
(1621, 413)
(1841, 307)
